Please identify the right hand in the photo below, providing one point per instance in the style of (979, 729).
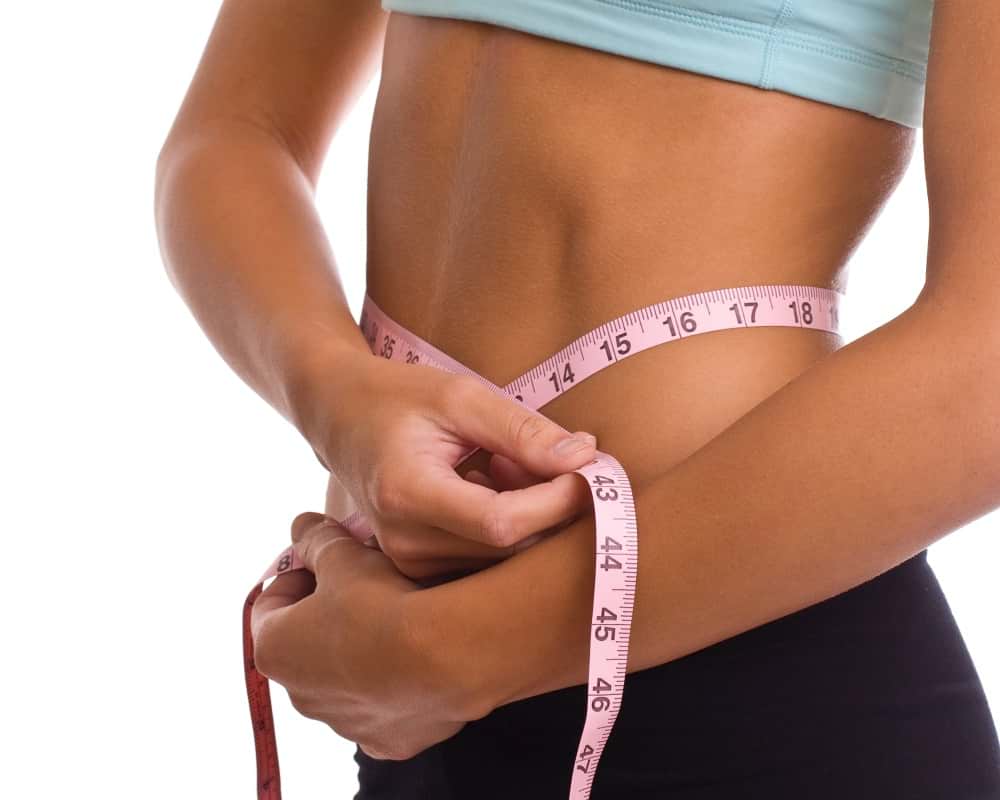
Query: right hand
(392, 434)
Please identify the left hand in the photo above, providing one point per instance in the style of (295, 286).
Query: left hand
(339, 642)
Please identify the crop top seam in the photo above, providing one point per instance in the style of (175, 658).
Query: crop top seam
(779, 19)
(758, 31)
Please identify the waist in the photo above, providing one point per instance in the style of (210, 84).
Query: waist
(522, 191)
(624, 340)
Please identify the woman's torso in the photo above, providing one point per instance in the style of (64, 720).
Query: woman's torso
(508, 171)
(523, 191)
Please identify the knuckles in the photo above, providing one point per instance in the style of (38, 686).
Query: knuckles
(495, 527)
(388, 493)
(381, 745)
(459, 395)
(391, 752)
(524, 429)
(267, 651)
(302, 704)
(400, 549)
(407, 555)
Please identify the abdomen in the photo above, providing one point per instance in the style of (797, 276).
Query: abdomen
(509, 171)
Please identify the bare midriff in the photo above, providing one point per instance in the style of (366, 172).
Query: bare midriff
(523, 191)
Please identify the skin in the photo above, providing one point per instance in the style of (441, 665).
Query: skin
(776, 469)
(243, 244)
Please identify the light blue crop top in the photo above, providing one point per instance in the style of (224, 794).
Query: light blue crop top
(869, 55)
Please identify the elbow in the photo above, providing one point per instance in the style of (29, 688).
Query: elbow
(166, 158)
(161, 170)
(173, 164)
(161, 193)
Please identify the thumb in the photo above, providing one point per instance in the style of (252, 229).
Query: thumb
(314, 536)
(501, 425)
(311, 533)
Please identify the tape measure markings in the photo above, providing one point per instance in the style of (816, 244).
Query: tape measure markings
(616, 534)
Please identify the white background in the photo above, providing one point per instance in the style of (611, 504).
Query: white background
(144, 486)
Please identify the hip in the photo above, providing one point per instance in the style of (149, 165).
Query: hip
(871, 693)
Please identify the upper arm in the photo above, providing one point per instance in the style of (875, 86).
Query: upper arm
(292, 68)
(962, 159)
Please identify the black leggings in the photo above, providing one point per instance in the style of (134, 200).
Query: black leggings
(870, 694)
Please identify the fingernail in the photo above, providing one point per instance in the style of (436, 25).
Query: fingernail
(570, 445)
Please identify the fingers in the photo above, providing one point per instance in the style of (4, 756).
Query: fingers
(499, 424)
(497, 519)
(337, 559)
(284, 591)
(509, 474)
(314, 536)
(329, 554)
(415, 549)
(476, 476)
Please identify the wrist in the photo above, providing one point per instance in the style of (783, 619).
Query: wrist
(447, 663)
(491, 641)
(311, 361)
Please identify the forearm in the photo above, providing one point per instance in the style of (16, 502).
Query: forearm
(243, 244)
(857, 464)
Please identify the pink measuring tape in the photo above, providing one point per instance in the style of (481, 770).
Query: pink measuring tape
(616, 545)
